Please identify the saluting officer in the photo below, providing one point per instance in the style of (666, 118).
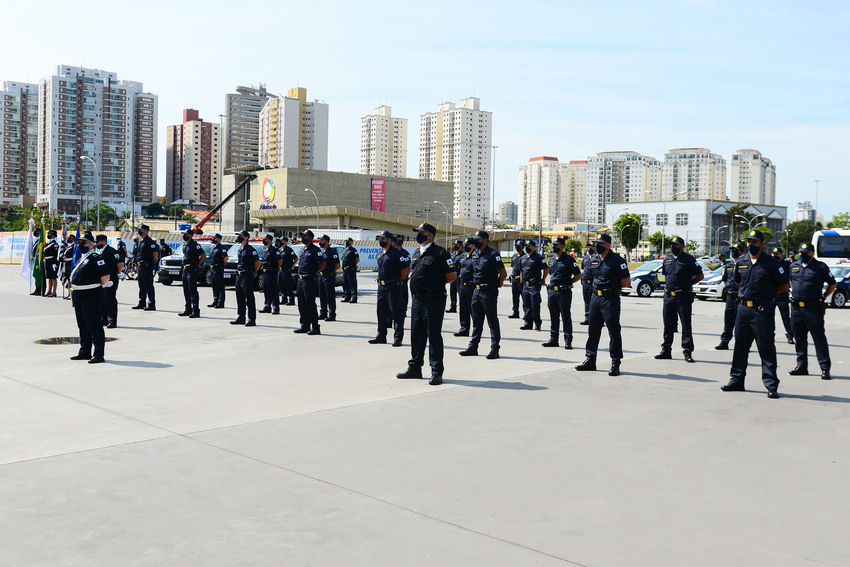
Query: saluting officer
(681, 272)
(534, 272)
(310, 263)
(147, 256)
(218, 259)
(327, 280)
(516, 276)
(610, 273)
(431, 270)
(465, 286)
(808, 277)
(247, 268)
(760, 279)
(587, 281)
(783, 299)
(731, 289)
(89, 278)
(457, 254)
(488, 275)
(193, 257)
(109, 313)
(563, 272)
(392, 269)
(350, 259)
(288, 260)
(271, 267)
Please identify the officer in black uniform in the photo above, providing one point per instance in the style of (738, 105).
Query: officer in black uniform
(350, 259)
(88, 279)
(465, 286)
(563, 272)
(146, 258)
(218, 259)
(271, 270)
(731, 290)
(456, 254)
(109, 313)
(760, 279)
(392, 269)
(534, 272)
(516, 276)
(681, 271)
(808, 276)
(68, 263)
(431, 270)
(288, 260)
(610, 273)
(50, 255)
(247, 268)
(310, 263)
(405, 292)
(488, 275)
(327, 280)
(193, 257)
(783, 299)
(587, 281)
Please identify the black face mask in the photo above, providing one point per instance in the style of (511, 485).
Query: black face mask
(601, 249)
(421, 238)
(676, 250)
(519, 249)
(557, 249)
(384, 243)
(479, 244)
(267, 243)
(186, 238)
(529, 249)
(240, 239)
(216, 242)
(736, 255)
(591, 250)
(468, 249)
(457, 248)
(305, 241)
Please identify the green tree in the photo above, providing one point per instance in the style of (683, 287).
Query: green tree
(691, 246)
(659, 241)
(107, 214)
(155, 209)
(628, 228)
(841, 220)
(799, 231)
(573, 244)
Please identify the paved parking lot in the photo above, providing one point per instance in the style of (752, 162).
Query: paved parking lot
(203, 444)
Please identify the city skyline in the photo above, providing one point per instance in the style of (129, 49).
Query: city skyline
(765, 76)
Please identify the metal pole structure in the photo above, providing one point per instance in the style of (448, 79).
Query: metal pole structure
(451, 223)
(297, 220)
(750, 221)
(317, 205)
(817, 187)
(716, 233)
(100, 192)
(493, 193)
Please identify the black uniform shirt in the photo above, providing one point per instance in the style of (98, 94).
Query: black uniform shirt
(331, 259)
(466, 268)
(486, 264)
(349, 257)
(245, 258)
(309, 260)
(147, 247)
(758, 282)
(457, 256)
(405, 261)
(562, 270)
(532, 267)
(50, 252)
(192, 253)
(807, 280)
(390, 264)
(428, 272)
(678, 271)
(587, 270)
(89, 270)
(269, 260)
(516, 263)
(608, 272)
(287, 254)
(785, 264)
(113, 258)
(729, 277)
(217, 255)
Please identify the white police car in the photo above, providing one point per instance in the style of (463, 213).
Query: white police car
(712, 286)
(647, 278)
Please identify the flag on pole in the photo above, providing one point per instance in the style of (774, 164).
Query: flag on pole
(26, 260)
(38, 266)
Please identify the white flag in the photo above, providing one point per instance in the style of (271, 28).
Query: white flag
(26, 260)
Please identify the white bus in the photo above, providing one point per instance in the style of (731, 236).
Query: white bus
(832, 246)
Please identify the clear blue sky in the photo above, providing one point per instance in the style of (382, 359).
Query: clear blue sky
(565, 79)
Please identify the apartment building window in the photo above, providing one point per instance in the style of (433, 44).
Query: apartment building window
(681, 219)
(661, 220)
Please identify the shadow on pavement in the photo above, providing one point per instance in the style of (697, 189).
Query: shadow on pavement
(496, 385)
(626, 372)
(815, 398)
(139, 363)
(140, 328)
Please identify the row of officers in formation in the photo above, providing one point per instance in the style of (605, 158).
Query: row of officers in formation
(756, 283)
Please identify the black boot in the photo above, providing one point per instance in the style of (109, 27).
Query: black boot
(494, 353)
(615, 367)
(552, 342)
(470, 351)
(588, 364)
(664, 355)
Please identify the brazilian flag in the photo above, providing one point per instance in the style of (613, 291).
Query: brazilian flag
(38, 264)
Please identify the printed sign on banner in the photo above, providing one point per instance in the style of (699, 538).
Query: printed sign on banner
(378, 195)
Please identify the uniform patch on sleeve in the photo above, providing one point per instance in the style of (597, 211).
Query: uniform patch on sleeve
(624, 266)
(101, 263)
(781, 270)
(449, 261)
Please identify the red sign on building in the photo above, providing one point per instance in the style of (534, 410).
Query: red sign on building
(378, 194)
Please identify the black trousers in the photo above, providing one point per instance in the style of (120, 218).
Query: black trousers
(405, 298)
(516, 294)
(306, 292)
(465, 306)
(604, 311)
(109, 313)
(809, 320)
(218, 286)
(729, 314)
(484, 306)
(327, 294)
(245, 302)
(453, 293)
(88, 304)
(285, 283)
(531, 301)
(190, 290)
(349, 283)
(271, 294)
(752, 324)
(426, 326)
(678, 308)
(146, 290)
(390, 311)
(560, 304)
(586, 294)
(784, 307)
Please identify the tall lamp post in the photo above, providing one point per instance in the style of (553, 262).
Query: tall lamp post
(451, 222)
(317, 205)
(716, 235)
(749, 222)
(100, 192)
(493, 193)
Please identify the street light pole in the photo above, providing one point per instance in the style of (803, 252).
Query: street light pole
(750, 221)
(716, 235)
(493, 193)
(451, 223)
(317, 205)
(100, 192)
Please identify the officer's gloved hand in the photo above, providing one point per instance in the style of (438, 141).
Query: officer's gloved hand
(107, 284)
(121, 275)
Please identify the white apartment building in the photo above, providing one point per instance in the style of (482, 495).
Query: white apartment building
(89, 112)
(294, 132)
(383, 144)
(804, 211)
(574, 197)
(192, 160)
(455, 145)
(625, 176)
(242, 126)
(18, 141)
(693, 173)
(753, 178)
(551, 192)
(508, 212)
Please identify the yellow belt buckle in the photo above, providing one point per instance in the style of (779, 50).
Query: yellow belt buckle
(802, 304)
(599, 292)
(749, 303)
(673, 293)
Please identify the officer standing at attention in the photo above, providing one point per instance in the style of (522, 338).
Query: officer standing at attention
(563, 272)
(731, 290)
(193, 257)
(398, 243)
(270, 264)
(516, 276)
(587, 281)
(488, 275)
(247, 268)
(431, 270)
(146, 259)
(350, 259)
(534, 272)
(50, 254)
(109, 312)
(760, 279)
(68, 261)
(218, 258)
(288, 260)
(681, 272)
(327, 280)
(782, 300)
(392, 269)
(310, 263)
(456, 255)
(808, 277)
(610, 274)
(465, 286)
(89, 278)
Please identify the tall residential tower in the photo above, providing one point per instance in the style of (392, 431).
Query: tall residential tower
(242, 126)
(294, 132)
(383, 144)
(18, 141)
(192, 161)
(753, 178)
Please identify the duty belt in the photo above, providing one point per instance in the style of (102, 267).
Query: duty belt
(387, 282)
(531, 282)
(678, 292)
(560, 287)
(754, 303)
(517, 277)
(76, 287)
(348, 267)
(466, 283)
(431, 294)
(305, 276)
(483, 286)
(804, 303)
(606, 292)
